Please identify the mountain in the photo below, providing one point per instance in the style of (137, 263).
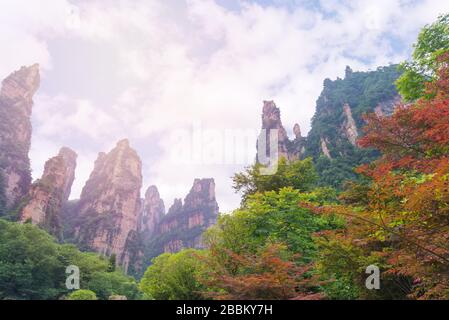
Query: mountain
(111, 218)
(48, 195)
(107, 214)
(16, 101)
(153, 211)
(337, 123)
(272, 127)
(183, 225)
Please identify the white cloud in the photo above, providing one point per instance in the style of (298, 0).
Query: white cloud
(185, 61)
(25, 27)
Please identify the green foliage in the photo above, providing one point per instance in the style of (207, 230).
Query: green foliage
(363, 91)
(112, 263)
(273, 217)
(175, 276)
(29, 263)
(155, 245)
(2, 195)
(336, 172)
(107, 284)
(343, 267)
(299, 175)
(82, 295)
(432, 42)
(33, 265)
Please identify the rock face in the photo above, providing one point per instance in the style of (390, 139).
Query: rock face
(153, 210)
(183, 225)
(325, 149)
(16, 101)
(271, 120)
(49, 194)
(109, 208)
(349, 127)
(338, 121)
(386, 108)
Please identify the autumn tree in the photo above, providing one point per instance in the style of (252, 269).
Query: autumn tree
(400, 220)
(266, 275)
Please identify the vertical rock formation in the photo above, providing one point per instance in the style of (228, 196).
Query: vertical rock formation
(338, 119)
(152, 212)
(108, 210)
(49, 194)
(297, 131)
(349, 126)
(271, 120)
(184, 224)
(16, 101)
(325, 148)
(297, 147)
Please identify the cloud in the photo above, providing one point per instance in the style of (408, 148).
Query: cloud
(25, 27)
(171, 64)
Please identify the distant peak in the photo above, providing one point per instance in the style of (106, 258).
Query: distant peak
(297, 131)
(269, 106)
(68, 153)
(152, 191)
(124, 143)
(22, 83)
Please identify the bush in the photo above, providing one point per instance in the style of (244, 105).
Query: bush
(82, 295)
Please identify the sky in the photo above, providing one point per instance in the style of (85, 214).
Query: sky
(185, 80)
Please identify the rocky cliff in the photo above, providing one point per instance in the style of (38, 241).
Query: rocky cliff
(16, 101)
(272, 127)
(336, 125)
(184, 223)
(49, 194)
(338, 121)
(108, 212)
(153, 210)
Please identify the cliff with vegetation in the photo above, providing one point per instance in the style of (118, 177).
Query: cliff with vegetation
(49, 194)
(183, 225)
(16, 101)
(107, 213)
(338, 121)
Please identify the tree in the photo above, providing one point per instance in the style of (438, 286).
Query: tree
(299, 175)
(2, 195)
(175, 276)
(265, 250)
(29, 265)
(267, 275)
(106, 284)
(432, 42)
(82, 295)
(415, 136)
(271, 217)
(402, 224)
(112, 263)
(33, 266)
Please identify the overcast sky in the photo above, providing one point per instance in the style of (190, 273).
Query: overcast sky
(146, 70)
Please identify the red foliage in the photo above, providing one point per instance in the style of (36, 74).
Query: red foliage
(403, 214)
(264, 276)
